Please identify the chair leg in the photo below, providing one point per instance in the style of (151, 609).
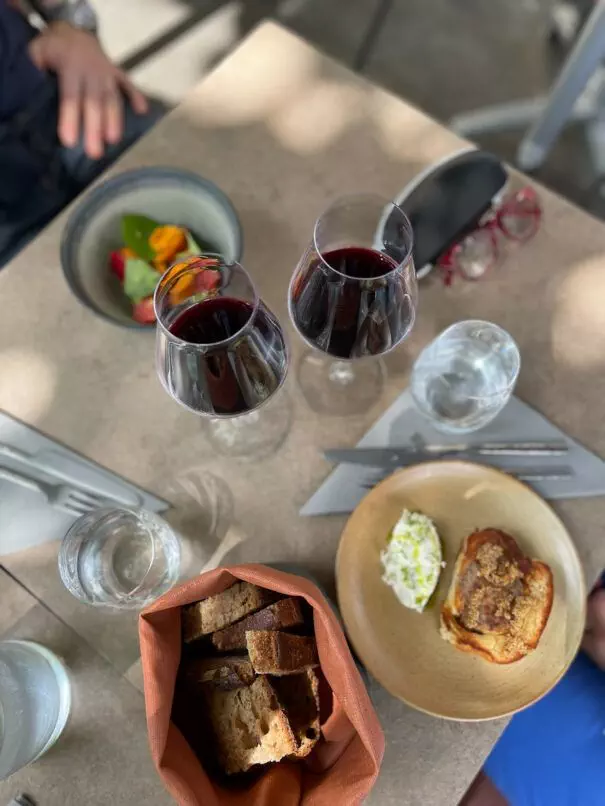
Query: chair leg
(579, 67)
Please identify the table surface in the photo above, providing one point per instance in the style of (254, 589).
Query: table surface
(283, 130)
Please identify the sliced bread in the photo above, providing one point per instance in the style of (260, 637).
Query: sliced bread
(278, 616)
(250, 726)
(298, 694)
(219, 611)
(228, 672)
(277, 653)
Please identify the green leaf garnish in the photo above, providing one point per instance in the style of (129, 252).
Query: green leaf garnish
(193, 247)
(140, 279)
(136, 231)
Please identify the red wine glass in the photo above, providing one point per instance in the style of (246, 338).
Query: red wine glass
(353, 298)
(220, 352)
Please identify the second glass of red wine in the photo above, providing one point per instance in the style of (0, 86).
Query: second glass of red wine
(220, 352)
(353, 298)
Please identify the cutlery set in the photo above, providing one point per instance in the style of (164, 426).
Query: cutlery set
(386, 460)
(62, 493)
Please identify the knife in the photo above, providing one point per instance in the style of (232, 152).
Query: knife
(394, 457)
(553, 473)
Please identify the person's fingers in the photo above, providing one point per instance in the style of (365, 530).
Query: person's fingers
(113, 116)
(135, 96)
(93, 118)
(595, 613)
(594, 646)
(35, 52)
(70, 108)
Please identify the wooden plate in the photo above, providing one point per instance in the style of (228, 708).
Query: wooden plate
(402, 648)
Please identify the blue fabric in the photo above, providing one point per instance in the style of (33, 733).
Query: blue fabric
(19, 77)
(553, 753)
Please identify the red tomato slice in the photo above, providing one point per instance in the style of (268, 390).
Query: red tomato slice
(142, 312)
(116, 264)
(207, 280)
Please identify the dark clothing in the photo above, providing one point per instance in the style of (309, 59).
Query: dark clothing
(39, 176)
(19, 77)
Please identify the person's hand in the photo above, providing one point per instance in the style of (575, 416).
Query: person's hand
(593, 642)
(90, 86)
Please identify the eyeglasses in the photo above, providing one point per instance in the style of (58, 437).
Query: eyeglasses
(517, 218)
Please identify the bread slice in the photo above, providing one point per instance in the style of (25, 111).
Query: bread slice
(299, 696)
(278, 616)
(277, 653)
(250, 726)
(499, 600)
(219, 611)
(227, 672)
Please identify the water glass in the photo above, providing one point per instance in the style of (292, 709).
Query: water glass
(119, 558)
(35, 700)
(465, 377)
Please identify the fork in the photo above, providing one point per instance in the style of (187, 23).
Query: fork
(73, 500)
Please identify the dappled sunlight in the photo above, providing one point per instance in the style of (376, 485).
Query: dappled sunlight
(256, 90)
(403, 130)
(317, 117)
(28, 382)
(578, 325)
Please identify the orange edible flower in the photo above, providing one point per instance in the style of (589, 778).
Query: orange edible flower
(167, 241)
(200, 278)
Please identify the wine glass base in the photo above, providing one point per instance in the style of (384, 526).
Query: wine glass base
(254, 435)
(338, 387)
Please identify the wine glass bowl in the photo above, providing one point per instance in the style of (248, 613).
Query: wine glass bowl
(353, 296)
(220, 352)
(354, 291)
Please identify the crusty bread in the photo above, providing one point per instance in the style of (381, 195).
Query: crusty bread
(219, 611)
(250, 725)
(499, 600)
(299, 696)
(278, 616)
(227, 672)
(277, 653)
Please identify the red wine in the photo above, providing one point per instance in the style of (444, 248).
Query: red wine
(237, 358)
(359, 262)
(360, 308)
(212, 320)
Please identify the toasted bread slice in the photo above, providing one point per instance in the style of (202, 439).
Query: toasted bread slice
(227, 672)
(499, 600)
(225, 608)
(250, 725)
(278, 616)
(299, 696)
(277, 653)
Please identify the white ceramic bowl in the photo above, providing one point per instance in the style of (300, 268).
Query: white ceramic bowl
(169, 195)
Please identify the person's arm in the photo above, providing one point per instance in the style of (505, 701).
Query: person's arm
(90, 86)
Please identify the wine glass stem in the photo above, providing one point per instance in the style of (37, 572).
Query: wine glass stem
(341, 373)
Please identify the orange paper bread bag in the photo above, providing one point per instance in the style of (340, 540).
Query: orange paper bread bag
(344, 764)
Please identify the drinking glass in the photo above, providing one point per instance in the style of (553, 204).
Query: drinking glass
(119, 558)
(221, 353)
(465, 377)
(352, 298)
(35, 700)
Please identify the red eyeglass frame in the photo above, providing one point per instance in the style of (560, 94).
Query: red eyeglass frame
(523, 205)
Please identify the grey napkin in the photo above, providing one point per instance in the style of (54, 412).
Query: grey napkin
(344, 488)
(26, 519)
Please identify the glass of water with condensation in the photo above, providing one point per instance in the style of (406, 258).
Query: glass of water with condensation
(465, 377)
(35, 699)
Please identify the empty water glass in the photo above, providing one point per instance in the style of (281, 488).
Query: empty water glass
(465, 377)
(119, 557)
(35, 700)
